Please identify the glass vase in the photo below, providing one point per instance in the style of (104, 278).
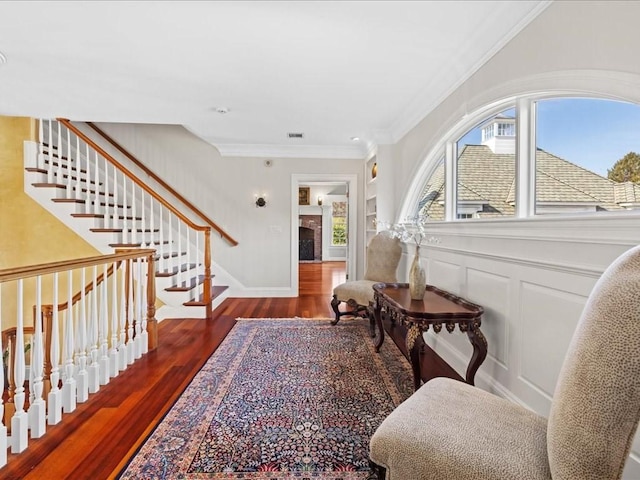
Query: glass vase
(417, 277)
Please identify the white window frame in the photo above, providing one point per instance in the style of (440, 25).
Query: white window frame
(525, 125)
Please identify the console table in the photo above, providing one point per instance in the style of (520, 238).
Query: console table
(437, 308)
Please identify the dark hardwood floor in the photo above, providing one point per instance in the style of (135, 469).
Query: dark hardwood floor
(96, 441)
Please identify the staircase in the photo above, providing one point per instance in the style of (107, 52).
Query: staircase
(100, 199)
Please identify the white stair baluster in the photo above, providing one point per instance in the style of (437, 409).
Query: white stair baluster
(144, 279)
(50, 168)
(139, 303)
(188, 251)
(32, 379)
(152, 234)
(103, 329)
(3, 428)
(130, 313)
(116, 200)
(78, 164)
(40, 156)
(143, 217)
(161, 248)
(69, 181)
(109, 209)
(113, 352)
(54, 399)
(122, 346)
(179, 259)
(97, 208)
(82, 375)
(88, 198)
(37, 409)
(125, 210)
(69, 384)
(170, 257)
(200, 265)
(134, 211)
(59, 179)
(20, 420)
(94, 365)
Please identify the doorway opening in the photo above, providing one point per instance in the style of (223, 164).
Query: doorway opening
(323, 219)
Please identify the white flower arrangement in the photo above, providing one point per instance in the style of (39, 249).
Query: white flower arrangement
(411, 229)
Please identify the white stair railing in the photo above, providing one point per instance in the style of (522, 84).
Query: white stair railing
(86, 326)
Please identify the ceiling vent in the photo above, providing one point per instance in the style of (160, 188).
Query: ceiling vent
(295, 135)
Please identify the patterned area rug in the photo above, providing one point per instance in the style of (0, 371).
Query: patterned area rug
(279, 399)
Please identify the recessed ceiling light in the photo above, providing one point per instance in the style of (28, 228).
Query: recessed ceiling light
(222, 110)
(3, 59)
(355, 139)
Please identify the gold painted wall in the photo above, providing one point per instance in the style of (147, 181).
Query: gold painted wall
(28, 233)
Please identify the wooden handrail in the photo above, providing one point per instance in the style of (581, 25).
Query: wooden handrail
(9, 274)
(165, 185)
(143, 185)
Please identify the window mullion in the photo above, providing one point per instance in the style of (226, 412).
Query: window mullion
(525, 158)
(451, 182)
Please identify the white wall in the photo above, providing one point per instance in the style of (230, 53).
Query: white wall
(225, 188)
(532, 276)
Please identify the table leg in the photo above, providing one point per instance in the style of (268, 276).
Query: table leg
(377, 314)
(372, 320)
(479, 343)
(414, 346)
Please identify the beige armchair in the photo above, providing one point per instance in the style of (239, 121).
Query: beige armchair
(383, 257)
(449, 430)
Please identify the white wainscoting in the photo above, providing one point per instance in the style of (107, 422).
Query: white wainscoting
(533, 279)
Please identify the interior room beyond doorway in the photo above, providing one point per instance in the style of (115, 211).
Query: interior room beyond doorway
(322, 222)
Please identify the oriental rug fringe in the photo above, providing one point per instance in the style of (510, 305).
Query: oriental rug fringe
(279, 399)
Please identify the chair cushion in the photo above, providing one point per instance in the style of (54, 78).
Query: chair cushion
(596, 404)
(449, 430)
(359, 290)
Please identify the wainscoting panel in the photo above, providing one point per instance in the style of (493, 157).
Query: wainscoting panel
(492, 292)
(445, 274)
(548, 318)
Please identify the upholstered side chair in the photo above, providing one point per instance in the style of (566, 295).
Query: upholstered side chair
(383, 256)
(448, 430)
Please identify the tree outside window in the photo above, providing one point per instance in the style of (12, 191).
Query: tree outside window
(339, 224)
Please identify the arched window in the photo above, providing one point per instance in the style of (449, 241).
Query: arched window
(585, 153)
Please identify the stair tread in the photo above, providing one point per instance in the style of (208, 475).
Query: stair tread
(67, 200)
(87, 215)
(192, 283)
(216, 290)
(174, 271)
(171, 255)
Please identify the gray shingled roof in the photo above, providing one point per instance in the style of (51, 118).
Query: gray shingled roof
(488, 178)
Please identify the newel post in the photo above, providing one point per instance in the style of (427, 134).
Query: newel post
(152, 323)
(206, 297)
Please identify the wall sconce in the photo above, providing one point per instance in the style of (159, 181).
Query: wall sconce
(320, 200)
(261, 200)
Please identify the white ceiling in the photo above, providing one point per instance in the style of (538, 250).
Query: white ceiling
(330, 69)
